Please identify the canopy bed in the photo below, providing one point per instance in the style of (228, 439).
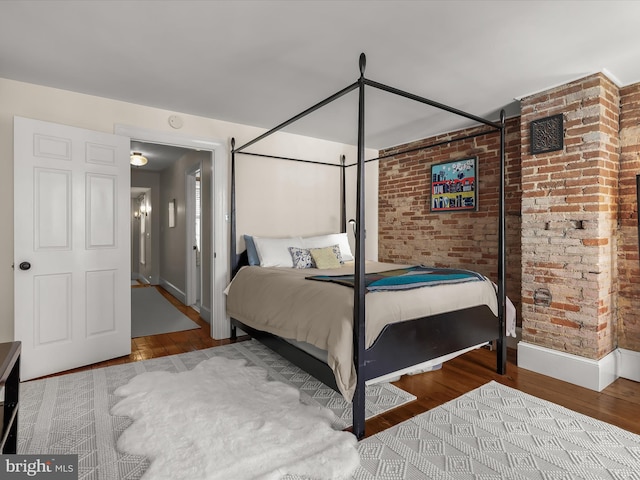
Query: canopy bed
(377, 341)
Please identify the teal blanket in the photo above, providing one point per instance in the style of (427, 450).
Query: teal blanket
(405, 278)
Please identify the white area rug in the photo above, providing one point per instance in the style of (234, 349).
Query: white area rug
(491, 433)
(152, 314)
(496, 432)
(70, 413)
(225, 420)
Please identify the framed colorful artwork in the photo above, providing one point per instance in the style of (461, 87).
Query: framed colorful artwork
(454, 185)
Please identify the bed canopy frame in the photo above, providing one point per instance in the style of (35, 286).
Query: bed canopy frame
(361, 357)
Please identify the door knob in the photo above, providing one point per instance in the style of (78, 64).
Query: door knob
(25, 266)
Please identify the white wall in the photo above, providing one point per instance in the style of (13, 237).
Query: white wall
(101, 114)
(173, 265)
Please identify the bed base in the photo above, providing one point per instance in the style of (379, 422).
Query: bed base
(432, 337)
(310, 364)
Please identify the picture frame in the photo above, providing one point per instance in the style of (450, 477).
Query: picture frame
(454, 185)
(172, 213)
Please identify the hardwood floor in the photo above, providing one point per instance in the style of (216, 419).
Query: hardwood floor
(618, 404)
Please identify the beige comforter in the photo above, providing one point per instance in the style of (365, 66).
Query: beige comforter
(282, 302)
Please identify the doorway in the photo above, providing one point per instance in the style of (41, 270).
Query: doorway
(141, 273)
(168, 220)
(194, 239)
(215, 270)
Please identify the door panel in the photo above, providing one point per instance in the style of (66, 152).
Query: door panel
(52, 209)
(101, 298)
(101, 211)
(73, 305)
(52, 299)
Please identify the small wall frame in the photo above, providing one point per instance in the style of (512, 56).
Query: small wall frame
(172, 213)
(454, 185)
(547, 134)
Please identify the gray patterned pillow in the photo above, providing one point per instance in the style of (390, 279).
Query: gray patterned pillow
(337, 252)
(301, 257)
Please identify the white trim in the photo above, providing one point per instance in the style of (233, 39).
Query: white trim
(140, 278)
(173, 290)
(613, 78)
(629, 364)
(592, 374)
(220, 326)
(191, 282)
(205, 314)
(167, 138)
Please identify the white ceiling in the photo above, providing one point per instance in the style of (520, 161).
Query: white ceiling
(261, 62)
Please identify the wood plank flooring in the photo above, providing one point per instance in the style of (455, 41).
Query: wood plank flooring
(618, 404)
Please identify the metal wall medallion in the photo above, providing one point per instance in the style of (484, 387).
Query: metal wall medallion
(547, 134)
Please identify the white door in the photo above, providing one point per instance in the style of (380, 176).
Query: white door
(193, 209)
(72, 246)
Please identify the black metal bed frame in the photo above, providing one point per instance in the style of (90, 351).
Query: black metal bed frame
(441, 334)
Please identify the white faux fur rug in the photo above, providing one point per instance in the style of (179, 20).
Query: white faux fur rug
(225, 420)
(69, 414)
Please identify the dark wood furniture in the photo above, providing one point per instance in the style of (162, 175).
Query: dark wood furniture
(10, 380)
(412, 341)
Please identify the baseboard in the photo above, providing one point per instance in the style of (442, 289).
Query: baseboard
(139, 278)
(592, 374)
(629, 364)
(173, 290)
(205, 314)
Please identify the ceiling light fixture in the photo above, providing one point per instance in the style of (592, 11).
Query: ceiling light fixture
(137, 159)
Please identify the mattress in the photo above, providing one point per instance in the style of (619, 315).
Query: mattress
(282, 301)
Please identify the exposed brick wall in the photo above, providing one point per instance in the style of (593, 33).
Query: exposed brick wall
(578, 235)
(628, 261)
(569, 220)
(410, 233)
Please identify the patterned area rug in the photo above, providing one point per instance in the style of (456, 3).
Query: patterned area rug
(70, 413)
(496, 432)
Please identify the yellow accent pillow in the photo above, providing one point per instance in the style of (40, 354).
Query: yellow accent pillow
(325, 257)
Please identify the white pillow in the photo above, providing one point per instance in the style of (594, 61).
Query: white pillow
(322, 241)
(274, 252)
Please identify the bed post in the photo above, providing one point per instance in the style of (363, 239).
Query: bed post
(502, 256)
(233, 264)
(233, 259)
(359, 290)
(343, 196)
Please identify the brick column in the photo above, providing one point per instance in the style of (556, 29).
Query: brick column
(569, 215)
